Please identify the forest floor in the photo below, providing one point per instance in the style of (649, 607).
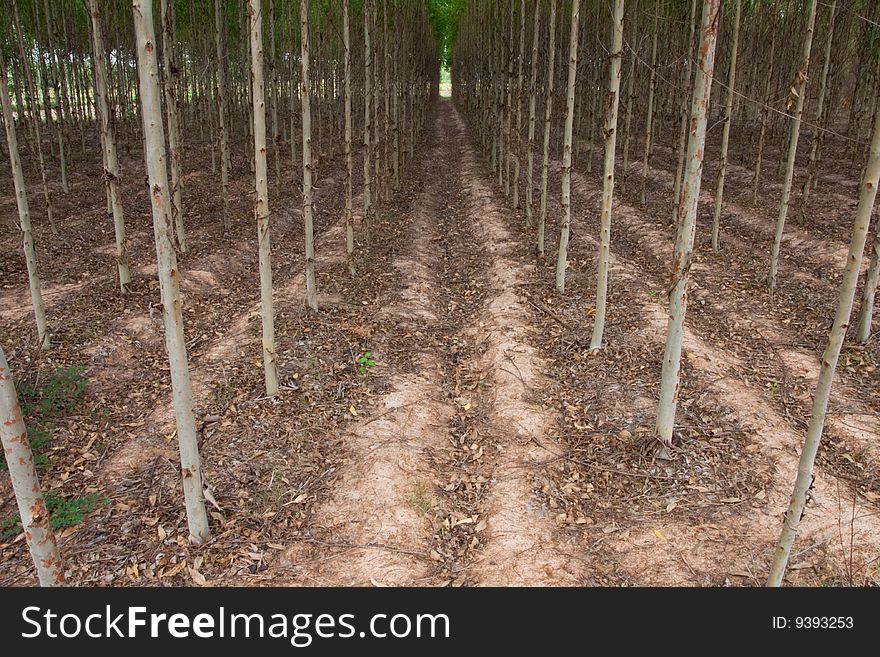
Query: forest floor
(485, 446)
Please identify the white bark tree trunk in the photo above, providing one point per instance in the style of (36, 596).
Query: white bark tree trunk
(608, 178)
(687, 220)
(169, 276)
(349, 223)
(829, 361)
(35, 520)
(800, 88)
(311, 290)
(548, 113)
(261, 209)
(108, 142)
(24, 215)
(174, 133)
(725, 137)
(562, 259)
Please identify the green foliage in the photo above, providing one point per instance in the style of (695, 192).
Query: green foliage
(444, 16)
(62, 513)
(365, 362)
(45, 400)
(67, 513)
(9, 528)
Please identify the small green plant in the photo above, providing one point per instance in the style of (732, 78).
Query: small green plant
(63, 513)
(653, 294)
(9, 528)
(69, 512)
(44, 400)
(772, 389)
(365, 362)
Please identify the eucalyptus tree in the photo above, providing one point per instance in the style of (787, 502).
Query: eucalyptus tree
(686, 223)
(867, 197)
(108, 142)
(24, 216)
(610, 130)
(533, 94)
(261, 206)
(798, 90)
(306, 97)
(170, 78)
(728, 113)
(35, 119)
(562, 257)
(349, 223)
(548, 114)
(221, 67)
(169, 277)
(35, 518)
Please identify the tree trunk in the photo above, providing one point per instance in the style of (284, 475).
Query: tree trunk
(261, 209)
(562, 259)
(799, 88)
(829, 361)
(725, 138)
(108, 142)
(305, 82)
(649, 120)
(222, 101)
(683, 130)
(533, 89)
(169, 276)
(24, 215)
(866, 313)
(169, 62)
(35, 520)
(368, 78)
(349, 223)
(820, 108)
(608, 178)
(687, 220)
(548, 113)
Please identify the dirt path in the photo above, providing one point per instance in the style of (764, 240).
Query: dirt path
(439, 487)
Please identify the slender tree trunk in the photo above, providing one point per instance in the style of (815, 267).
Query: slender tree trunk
(35, 116)
(55, 68)
(169, 276)
(866, 313)
(368, 78)
(24, 215)
(683, 130)
(630, 85)
(533, 89)
(765, 111)
(562, 259)
(725, 137)
(35, 520)
(687, 220)
(548, 113)
(613, 105)
(169, 62)
(800, 88)
(305, 82)
(108, 142)
(517, 161)
(222, 102)
(649, 119)
(349, 223)
(820, 109)
(829, 361)
(261, 209)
